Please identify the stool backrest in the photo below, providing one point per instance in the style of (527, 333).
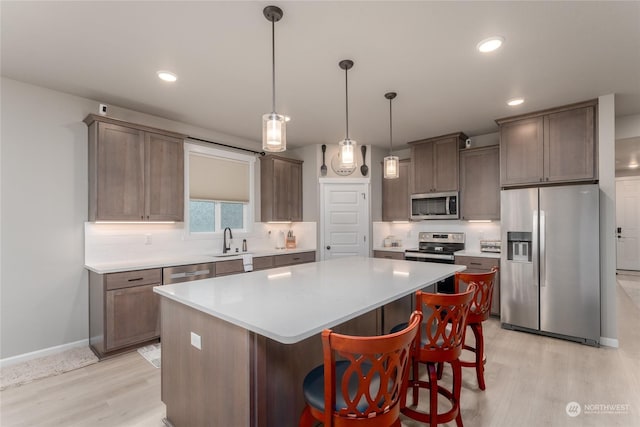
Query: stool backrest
(481, 303)
(379, 364)
(445, 322)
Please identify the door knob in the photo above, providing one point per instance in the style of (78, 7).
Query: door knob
(328, 248)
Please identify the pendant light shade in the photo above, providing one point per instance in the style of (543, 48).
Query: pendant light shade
(391, 162)
(347, 145)
(274, 128)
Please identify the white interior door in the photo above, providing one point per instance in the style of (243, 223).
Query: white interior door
(345, 220)
(628, 223)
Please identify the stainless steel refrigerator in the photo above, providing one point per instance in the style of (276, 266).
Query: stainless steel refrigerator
(550, 261)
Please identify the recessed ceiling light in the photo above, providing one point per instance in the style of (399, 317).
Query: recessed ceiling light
(490, 44)
(167, 76)
(515, 101)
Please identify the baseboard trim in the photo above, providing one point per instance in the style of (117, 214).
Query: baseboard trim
(609, 342)
(8, 361)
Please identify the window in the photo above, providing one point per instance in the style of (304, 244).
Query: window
(220, 190)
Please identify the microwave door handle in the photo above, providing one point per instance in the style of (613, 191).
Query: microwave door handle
(447, 200)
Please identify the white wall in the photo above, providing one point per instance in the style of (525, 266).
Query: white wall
(628, 126)
(43, 285)
(606, 166)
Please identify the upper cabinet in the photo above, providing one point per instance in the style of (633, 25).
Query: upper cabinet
(434, 165)
(480, 183)
(550, 146)
(280, 188)
(136, 173)
(395, 195)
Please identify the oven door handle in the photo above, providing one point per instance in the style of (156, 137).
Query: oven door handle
(427, 256)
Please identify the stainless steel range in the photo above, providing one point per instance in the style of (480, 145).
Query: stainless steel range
(437, 247)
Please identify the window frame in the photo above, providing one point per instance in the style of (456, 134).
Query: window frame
(249, 208)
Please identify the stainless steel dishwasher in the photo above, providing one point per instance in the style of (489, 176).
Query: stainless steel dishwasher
(187, 273)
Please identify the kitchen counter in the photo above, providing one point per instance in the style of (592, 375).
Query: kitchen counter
(478, 254)
(116, 267)
(236, 349)
(289, 304)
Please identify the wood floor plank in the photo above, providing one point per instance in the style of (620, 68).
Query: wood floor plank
(530, 379)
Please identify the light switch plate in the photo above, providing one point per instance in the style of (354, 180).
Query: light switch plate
(196, 341)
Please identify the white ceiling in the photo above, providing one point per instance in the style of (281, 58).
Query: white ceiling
(555, 53)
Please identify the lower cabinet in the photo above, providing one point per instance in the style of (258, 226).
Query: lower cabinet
(123, 310)
(388, 254)
(292, 259)
(484, 265)
(398, 311)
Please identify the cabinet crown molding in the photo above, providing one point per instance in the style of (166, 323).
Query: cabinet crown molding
(96, 118)
(589, 103)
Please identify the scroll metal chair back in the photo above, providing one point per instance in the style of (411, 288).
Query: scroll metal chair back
(361, 380)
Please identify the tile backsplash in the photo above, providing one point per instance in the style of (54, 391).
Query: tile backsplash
(116, 242)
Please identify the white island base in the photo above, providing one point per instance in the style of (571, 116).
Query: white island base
(259, 334)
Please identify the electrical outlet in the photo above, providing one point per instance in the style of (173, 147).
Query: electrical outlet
(147, 239)
(196, 341)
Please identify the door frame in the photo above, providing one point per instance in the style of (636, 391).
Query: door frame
(366, 182)
(617, 179)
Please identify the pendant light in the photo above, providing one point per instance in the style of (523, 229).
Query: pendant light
(391, 162)
(274, 132)
(347, 145)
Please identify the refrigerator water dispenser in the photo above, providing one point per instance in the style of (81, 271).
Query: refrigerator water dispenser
(519, 246)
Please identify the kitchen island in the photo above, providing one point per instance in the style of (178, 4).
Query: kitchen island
(257, 334)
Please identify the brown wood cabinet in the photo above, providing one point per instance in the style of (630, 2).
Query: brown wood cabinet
(434, 163)
(123, 310)
(292, 259)
(235, 266)
(395, 194)
(281, 188)
(480, 183)
(483, 265)
(550, 146)
(136, 173)
(388, 254)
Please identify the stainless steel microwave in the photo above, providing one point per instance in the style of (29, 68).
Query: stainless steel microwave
(435, 206)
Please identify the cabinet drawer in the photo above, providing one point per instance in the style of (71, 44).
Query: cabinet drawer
(262, 262)
(388, 254)
(290, 259)
(130, 279)
(477, 263)
(232, 266)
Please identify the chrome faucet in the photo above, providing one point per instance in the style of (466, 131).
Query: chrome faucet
(226, 245)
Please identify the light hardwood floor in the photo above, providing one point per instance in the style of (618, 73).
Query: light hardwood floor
(530, 379)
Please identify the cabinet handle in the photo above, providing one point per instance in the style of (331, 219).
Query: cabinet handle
(297, 259)
(475, 263)
(136, 279)
(547, 178)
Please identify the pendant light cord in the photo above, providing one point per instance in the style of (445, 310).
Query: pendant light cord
(273, 64)
(346, 92)
(390, 129)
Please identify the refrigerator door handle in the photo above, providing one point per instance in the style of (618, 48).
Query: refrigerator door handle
(534, 249)
(543, 255)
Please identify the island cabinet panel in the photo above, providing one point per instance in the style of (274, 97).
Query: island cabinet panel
(123, 310)
(136, 173)
(281, 189)
(484, 265)
(434, 163)
(395, 194)
(397, 311)
(551, 146)
(210, 386)
(480, 183)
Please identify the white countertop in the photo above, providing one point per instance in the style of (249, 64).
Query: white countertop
(478, 254)
(116, 267)
(289, 304)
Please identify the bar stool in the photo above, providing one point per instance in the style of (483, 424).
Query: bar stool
(478, 313)
(442, 337)
(364, 387)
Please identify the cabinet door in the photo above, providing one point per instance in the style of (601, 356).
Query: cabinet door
(569, 147)
(120, 173)
(422, 168)
(521, 152)
(287, 191)
(395, 195)
(480, 183)
(445, 165)
(132, 316)
(164, 179)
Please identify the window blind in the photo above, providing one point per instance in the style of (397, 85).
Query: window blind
(215, 178)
